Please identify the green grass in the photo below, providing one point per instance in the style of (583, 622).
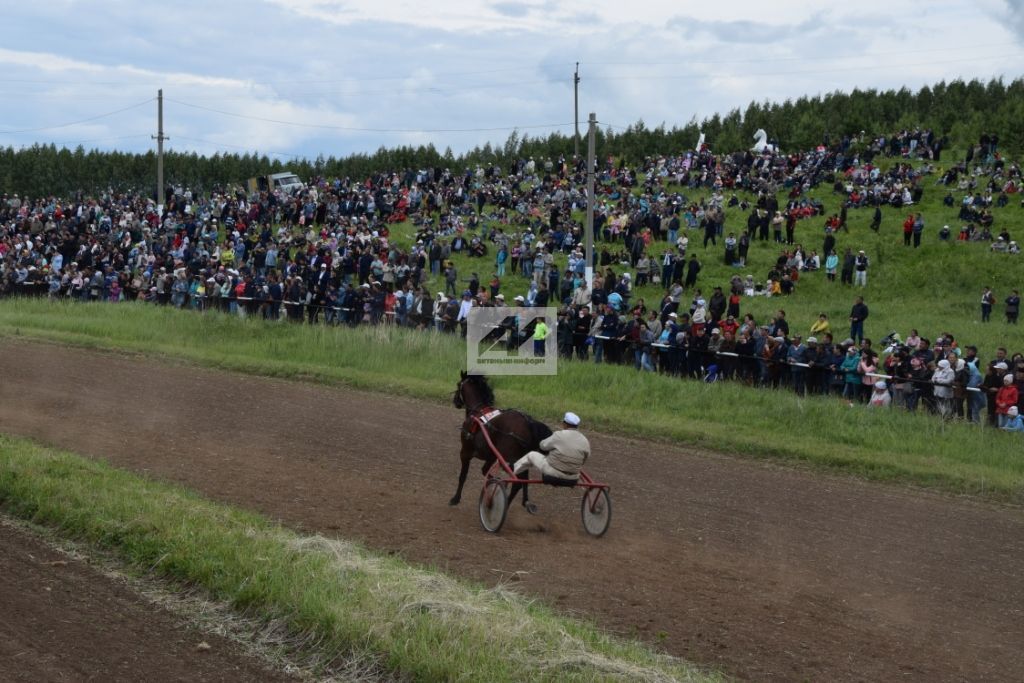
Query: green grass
(349, 602)
(888, 445)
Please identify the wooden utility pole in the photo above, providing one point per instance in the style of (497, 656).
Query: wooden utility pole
(576, 111)
(159, 137)
(591, 203)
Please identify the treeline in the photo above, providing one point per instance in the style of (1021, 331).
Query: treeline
(959, 110)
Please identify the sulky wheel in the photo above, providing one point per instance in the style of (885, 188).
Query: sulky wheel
(493, 505)
(596, 510)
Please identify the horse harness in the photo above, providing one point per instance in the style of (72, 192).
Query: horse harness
(479, 418)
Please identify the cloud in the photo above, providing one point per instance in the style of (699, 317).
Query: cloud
(455, 64)
(1016, 9)
(747, 31)
(512, 9)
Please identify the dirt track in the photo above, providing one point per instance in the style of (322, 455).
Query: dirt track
(63, 620)
(767, 573)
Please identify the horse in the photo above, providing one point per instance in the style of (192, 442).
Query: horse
(513, 433)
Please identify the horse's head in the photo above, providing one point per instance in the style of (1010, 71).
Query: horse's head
(472, 392)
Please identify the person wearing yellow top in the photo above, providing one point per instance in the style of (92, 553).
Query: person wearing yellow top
(540, 335)
(821, 326)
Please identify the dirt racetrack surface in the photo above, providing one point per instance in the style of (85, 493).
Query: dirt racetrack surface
(62, 620)
(765, 572)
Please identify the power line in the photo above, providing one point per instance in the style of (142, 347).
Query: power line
(436, 90)
(345, 79)
(75, 123)
(367, 130)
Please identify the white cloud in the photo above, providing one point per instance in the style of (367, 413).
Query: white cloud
(450, 64)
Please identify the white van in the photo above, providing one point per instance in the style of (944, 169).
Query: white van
(287, 182)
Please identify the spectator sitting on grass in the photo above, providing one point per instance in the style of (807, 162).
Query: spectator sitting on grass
(1014, 422)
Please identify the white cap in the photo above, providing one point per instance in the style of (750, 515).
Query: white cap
(571, 419)
(519, 298)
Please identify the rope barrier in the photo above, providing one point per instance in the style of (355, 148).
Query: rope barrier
(718, 354)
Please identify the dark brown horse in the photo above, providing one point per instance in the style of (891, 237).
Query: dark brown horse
(513, 433)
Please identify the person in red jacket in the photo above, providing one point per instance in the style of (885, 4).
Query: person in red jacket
(908, 229)
(1006, 398)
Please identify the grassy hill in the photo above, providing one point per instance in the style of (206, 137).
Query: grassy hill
(935, 288)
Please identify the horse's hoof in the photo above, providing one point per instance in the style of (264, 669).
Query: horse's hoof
(454, 501)
(531, 508)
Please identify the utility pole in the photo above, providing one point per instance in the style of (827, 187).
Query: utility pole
(591, 203)
(159, 137)
(576, 111)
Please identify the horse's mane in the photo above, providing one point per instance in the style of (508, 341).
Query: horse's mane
(481, 384)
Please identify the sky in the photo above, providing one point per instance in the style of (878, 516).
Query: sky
(337, 77)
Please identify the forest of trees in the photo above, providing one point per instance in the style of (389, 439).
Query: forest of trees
(959, 110)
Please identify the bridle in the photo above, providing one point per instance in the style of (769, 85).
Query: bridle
(460, 401)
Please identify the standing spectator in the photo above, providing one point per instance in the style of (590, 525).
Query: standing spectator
(867, 368)
(499, 261)
(730, 249)
(918, 228)
(987, 299)
(908, 229)
(540, 335)
(849, 261)
(858, 314)
(464, 308)
(831, 263)
(643, 269)
(1013, 307)
(692, 270)
(743, 246)
(797, 357)
(976, 400)
(861, 267)
(992, 383)
(710, 232)
(581, 332)
(852, 380)
(667, 262)
(942, 379)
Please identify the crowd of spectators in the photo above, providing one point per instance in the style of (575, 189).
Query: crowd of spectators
(327, 254)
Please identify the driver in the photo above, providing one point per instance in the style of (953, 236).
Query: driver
(567, 450)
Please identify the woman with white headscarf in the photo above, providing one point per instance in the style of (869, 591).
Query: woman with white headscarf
(942, 379)
(880, 397)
